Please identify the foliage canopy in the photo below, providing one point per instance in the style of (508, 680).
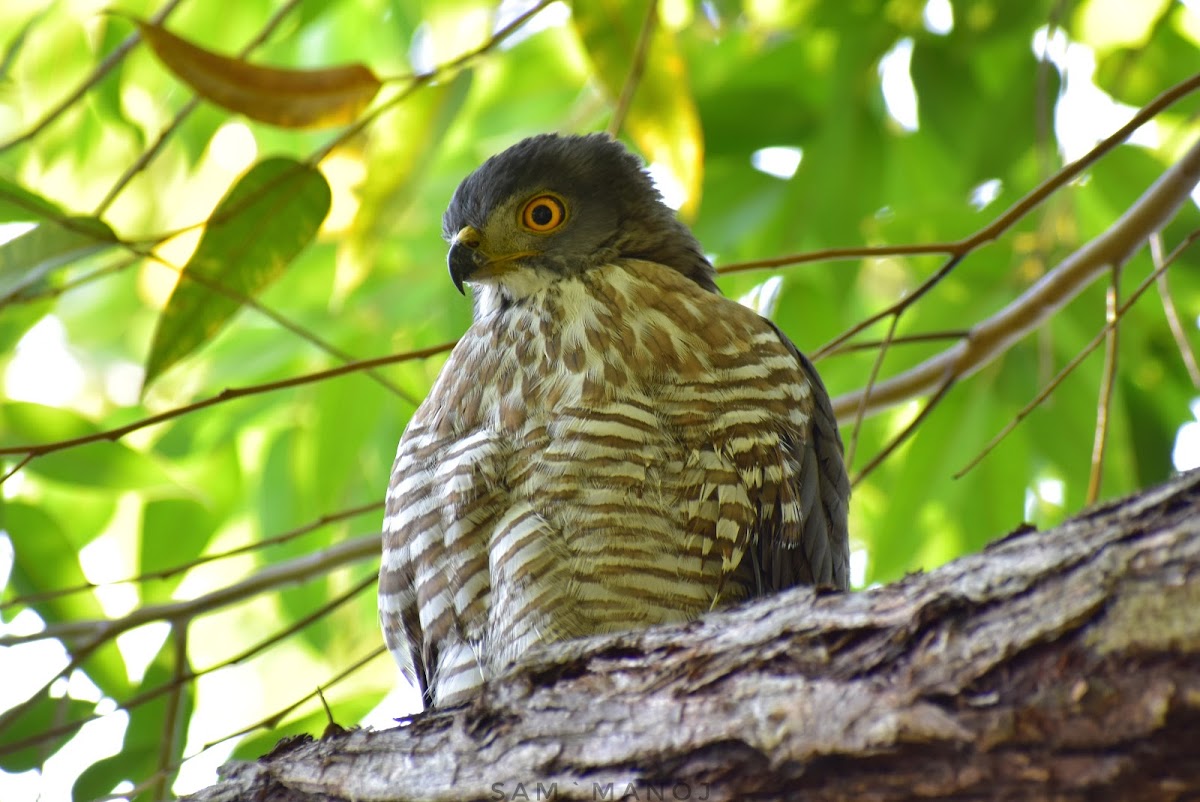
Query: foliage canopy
(306, 226)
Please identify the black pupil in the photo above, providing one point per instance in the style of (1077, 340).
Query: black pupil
(542, 214)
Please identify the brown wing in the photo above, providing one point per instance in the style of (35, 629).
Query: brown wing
(398, 612)
(443, 499)
(821, 555)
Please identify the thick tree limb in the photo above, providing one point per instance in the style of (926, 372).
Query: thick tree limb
(1055, 665)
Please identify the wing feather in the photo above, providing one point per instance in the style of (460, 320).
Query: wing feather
(823, 488)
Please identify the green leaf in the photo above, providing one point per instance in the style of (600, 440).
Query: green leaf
(408, 137)
(45, 559)
(27, 260)
(22, 423)
(101, 467)
(268, 217)
(174, 532)
(18, 204)
(145, 745)
(46, 713)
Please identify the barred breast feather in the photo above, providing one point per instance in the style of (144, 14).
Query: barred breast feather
(621, 449)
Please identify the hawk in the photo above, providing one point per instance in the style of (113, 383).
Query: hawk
(612, 444)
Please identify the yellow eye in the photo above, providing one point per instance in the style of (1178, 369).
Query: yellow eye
(543, 214)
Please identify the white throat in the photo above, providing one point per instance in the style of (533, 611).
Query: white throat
(511, 287)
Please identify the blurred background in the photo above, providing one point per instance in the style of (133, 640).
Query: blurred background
(183, 567)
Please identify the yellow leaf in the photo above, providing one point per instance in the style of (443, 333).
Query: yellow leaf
(662, 117)
(286, 98)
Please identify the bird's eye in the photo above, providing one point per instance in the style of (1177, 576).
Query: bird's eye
(544, 214)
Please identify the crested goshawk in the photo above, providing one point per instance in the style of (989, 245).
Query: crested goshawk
(612, 444)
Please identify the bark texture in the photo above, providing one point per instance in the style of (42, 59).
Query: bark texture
(1057, 665)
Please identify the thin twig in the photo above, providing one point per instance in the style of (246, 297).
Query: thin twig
(1083, 354)
(147, 156)
(1104, 399)
(145, 250)
(842, 254)
(117, 432)
(28, 458)
(856, 429)
(174, 707)
(636, 69)
(275, 317)
(22, 297)
(102, 69)
(894, 310)
(273, 720)
(907, 339)
(1172, 314)
(993, 230)
(908, 430)
(420, 79)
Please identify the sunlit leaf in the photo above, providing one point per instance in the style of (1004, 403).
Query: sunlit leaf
(174, 532)
(41, 716)
(18, 204)
(410, 134)
(287, 98)
(154, 737)
(268, 217)
(662, 117)
(102, 466)
(45, 558)
(29, 258)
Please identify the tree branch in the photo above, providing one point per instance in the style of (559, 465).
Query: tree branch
(993, 336)
(1055, 665)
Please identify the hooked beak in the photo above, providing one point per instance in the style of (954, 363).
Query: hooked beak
(464, 257)
(467, 261)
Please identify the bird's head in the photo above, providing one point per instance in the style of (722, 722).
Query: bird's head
(552, 207)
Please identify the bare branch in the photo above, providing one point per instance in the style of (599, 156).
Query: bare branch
(1026, 672)
(992, 337)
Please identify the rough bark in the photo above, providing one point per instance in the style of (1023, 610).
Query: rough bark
(1057, 665)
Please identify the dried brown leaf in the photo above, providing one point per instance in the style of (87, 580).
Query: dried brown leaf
(286, 98)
